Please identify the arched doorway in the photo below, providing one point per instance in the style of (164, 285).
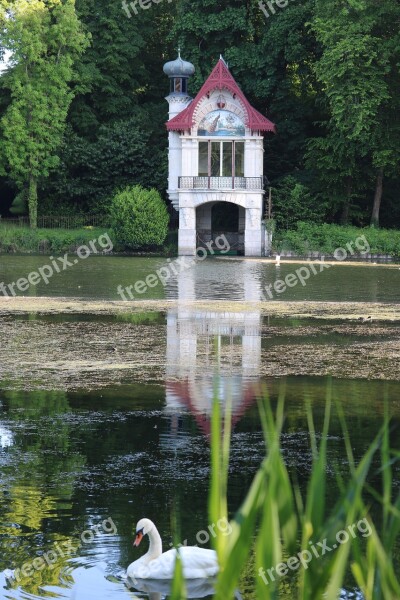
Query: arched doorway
(225, 217)
(221, 218)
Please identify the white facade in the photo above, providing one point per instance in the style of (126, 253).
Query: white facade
(231, 172)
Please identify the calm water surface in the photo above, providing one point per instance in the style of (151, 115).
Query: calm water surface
(79, 468)
(99, 277)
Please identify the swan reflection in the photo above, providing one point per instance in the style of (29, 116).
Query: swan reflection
(159, 589)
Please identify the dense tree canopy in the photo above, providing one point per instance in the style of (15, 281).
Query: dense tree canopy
(45, 39)
(325, 71)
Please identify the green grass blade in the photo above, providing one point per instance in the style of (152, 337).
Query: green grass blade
(241, 539)
(178, 589)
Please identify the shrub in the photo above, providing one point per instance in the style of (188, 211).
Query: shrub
(139, 217)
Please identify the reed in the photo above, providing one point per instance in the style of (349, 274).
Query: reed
(277, 521)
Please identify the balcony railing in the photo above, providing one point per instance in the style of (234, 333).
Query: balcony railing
(220, 183)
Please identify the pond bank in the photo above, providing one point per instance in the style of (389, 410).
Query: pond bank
(45, 242)
(328, 260)
(349, 311)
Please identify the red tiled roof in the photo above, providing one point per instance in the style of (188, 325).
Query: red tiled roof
(220, 79)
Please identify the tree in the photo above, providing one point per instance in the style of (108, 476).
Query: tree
(386, 137)
(326, 72)
(292, 202)
(338, 168)
(116, 134)
(358, 70)
(45, 39)
(112, 73)
(126, 152)
(139, 217)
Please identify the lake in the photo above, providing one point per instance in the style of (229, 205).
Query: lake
(105, 418)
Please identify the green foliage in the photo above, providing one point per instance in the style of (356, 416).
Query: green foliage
(139, 217)
(326, 238)
(358, 71)
(20, 203)
(50, 241)
(291, 521)
(325, 72)
(126, 152)
(293, 202)
(53, 206)
(113, 72)
(45, 40)
(116, 135)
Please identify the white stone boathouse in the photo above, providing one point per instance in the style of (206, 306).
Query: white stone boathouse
(216, 158)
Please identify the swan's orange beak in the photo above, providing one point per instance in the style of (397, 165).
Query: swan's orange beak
(138, 538)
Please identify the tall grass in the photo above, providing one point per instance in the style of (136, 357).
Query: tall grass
(277, 521)
(325, 238)
(14, 239)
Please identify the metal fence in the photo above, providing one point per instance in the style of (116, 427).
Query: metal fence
(220, 183)
(61, 222)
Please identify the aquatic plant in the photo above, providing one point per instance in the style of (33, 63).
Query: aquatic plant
(278, 525)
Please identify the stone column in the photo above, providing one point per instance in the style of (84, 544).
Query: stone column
(187, 232)
(252, 233)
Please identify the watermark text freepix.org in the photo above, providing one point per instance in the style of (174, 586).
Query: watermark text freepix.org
(136, 4)
(270, 8)
(172, 269)
(58, 265)
(64, 549)
(303, 274)
(317, 550)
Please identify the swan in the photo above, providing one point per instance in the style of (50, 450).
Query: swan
(198, 563)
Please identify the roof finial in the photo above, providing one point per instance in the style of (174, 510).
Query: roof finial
(223, 60)
(179, 52)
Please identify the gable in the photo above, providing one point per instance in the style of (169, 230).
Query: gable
(220, 80)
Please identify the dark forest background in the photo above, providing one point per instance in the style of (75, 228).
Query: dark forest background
(326, 72)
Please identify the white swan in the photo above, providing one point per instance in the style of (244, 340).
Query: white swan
(198, 563)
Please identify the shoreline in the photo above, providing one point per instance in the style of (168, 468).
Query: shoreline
(373, 261)
(346, 311)
(329, 261)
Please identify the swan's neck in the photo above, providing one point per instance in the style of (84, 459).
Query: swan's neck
(155, 547)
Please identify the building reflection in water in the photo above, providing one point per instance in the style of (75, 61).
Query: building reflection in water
(212, 350)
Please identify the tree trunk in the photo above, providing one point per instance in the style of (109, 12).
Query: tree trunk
(377, 199)
(32, 202)
(344, 219)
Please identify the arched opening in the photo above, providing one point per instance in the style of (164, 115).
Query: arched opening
(215, 219)
(225, 217)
